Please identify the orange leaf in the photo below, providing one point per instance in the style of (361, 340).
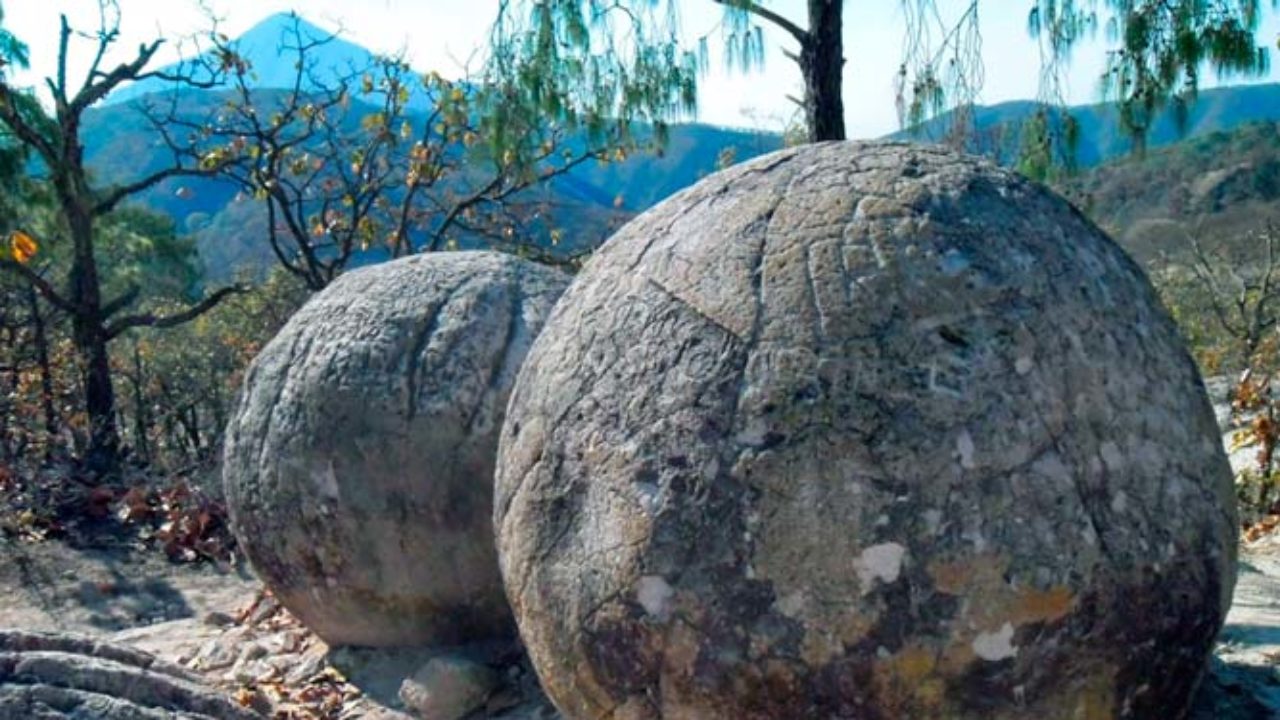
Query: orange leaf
(23, 245)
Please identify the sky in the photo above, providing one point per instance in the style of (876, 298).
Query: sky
(449, 35)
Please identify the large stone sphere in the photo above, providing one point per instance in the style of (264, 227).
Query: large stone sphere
(864, 431)
(359, 465)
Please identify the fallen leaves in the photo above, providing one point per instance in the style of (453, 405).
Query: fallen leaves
(188, 525)
(323, 695)
(1264, 527)
(29, 526)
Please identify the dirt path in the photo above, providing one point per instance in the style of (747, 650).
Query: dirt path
(50, 586)
(1247, 660)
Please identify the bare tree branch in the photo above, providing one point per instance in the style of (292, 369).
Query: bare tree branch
(800, 34)
(60, 88)
(114, 329)
(108, 33)
(126, 299)
(118, 193)
(46, 290)
(11, 116)
(1204, 272)
(92, 93)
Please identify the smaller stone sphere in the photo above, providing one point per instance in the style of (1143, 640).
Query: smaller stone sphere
(358, 466)
(864, 431)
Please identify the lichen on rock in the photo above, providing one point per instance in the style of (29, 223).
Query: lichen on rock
(359, 464)
(864, 431)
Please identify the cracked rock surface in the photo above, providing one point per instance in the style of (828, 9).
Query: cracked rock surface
(57, 675)
(864, 431)
(359, 464)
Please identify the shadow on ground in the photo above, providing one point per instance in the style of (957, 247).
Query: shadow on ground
(1237, 691)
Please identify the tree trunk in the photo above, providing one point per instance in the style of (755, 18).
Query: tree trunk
(103, 455)
(822, 65)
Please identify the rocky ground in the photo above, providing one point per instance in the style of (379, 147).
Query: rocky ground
(1246, 678)
(218, 623)
(154, 572)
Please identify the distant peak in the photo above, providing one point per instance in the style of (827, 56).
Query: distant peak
(279, 22)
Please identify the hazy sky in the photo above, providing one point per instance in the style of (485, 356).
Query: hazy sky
(445, 34)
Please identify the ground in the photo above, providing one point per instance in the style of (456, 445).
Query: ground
(150, 564)
(1245, 682)
(216, 620)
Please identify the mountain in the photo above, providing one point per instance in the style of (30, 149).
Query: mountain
(593, 200)
(1101, 138)
(269, 48)
(590, 202)
(1217, 184)
(587, 204)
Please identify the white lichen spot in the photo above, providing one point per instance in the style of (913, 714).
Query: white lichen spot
(932, 521)
(882, 521)
(964, 446)
(994, 646)
(1050, 466)
(327, 481)
(792, 604)
(654, 595)
(649, 496)
(754, 432)
(1090, 537)
(1023, 365)
(1111, 456)
(1119, 502)
(879, 562)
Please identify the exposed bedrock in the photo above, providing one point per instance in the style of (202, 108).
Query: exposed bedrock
(47, 676)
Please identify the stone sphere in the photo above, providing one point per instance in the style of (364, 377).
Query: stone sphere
(864, 431)
(358, 466)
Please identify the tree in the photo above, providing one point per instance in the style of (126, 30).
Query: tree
(12, 50)
(22, 322)
(1162, 48)
(12, 152)
(54, 140)
(26, 323)
(1225, 293)
(374, 159)
(627, 57)
(180, 385)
